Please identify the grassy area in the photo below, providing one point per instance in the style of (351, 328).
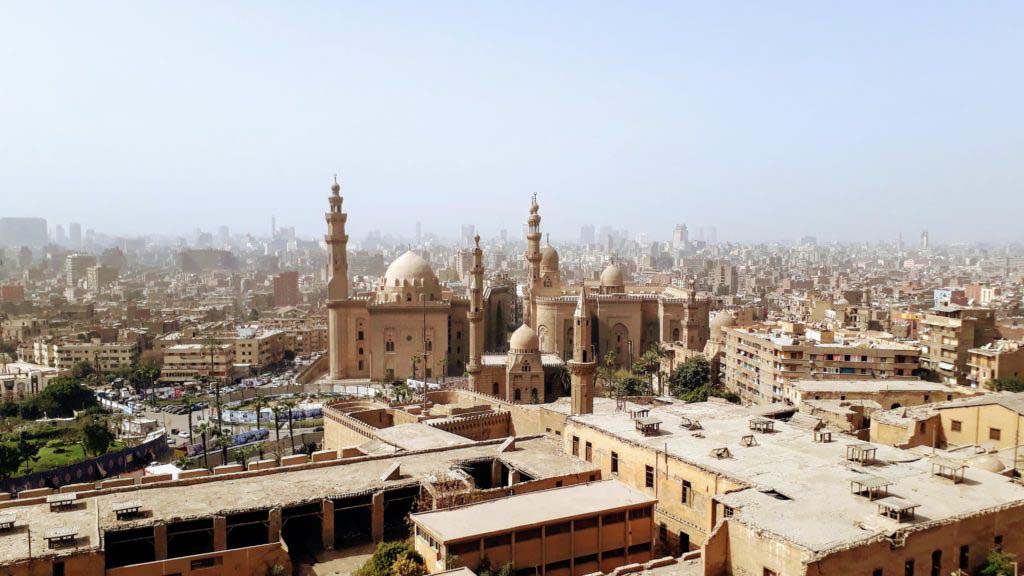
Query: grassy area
(310, 423)
(62, 454)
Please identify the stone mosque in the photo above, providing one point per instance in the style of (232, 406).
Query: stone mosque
(412, 327)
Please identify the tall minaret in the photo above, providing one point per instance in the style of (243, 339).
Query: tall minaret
(337, 280)
(582, 367)
(476, 314)
(533, 263)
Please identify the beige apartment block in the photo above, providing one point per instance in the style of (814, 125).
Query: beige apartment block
(184, 362)
(947, 336)
(104, 356)
(993, 361)
(766, 496)
(567, 531)
(761, 362)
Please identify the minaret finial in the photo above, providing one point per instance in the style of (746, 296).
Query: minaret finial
(476, 239)
(336, 188)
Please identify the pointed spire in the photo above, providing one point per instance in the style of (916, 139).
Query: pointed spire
(581, 304)
(336, 188)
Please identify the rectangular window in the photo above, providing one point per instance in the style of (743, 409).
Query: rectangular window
(965, 557)
(956, 425)
(589, 453)
(999, 542)
(685, 498)
(649, 476)
(877, 572)
(615, 463)
(994, 433)
(908, 568)
(576, 446)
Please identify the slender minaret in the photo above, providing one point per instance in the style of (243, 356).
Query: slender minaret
(582, 367)
(476, 314)
(533, 263)
(337, 280)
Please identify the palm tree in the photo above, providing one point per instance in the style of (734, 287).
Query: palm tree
(190, 401)
(289, 405)
(276, 409)
(260, 401)
(220, 431)
(203, 430)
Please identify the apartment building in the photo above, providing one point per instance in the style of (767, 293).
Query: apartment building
(761, 362)
(184, 362)
(103, 356)
(571, 531)
(948, 334)
(770, 497)
(995, 360)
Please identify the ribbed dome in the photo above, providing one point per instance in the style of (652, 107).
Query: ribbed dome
(409, 268)
(722, 319)
(548, 258)
(612, 276)
(524, 340)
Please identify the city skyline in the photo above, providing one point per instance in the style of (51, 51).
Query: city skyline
(138, 119)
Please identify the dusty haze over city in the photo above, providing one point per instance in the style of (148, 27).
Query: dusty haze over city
(769, 121)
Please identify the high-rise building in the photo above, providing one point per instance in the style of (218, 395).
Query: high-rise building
(468, 232)
(680, 236)
(60, 238)
(587, 234)
(75, 235)
(29, 232)
(924, 240)
(286, 289)
(76, 267)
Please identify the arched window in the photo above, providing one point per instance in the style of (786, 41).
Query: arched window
(675, 334)
(494, 389)
(389, 345)
(430, 345)
(518, 395)
(526, 366)
(547, 282)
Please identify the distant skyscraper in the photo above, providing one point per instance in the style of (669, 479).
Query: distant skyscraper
(29, 232)
(712, 235)
(273, 227)
(924, 240)
(76, 266)
(680, 236)
(75, 234)
(59, 237)
(468, 232)
(587, 234)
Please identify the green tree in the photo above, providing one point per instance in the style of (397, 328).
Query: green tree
(689, 376)
(260, 401)
(62, 398)
(386, 556)
(630, 386)
(289, 406)
(1011, 384)
(407, 565)
(82, 370)
(190, 401)
(96, 437)
(999, 564)
(203, 430)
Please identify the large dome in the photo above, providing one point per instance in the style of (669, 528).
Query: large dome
(721, 319)
(612, 276)
(409, 269)
(524, 340)
(548, 258)
(409, 279)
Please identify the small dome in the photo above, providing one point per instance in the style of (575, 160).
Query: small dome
(612, 276)
(722, 319)
(524, 340)
(409, 267)
(548, 258)
(988, 462)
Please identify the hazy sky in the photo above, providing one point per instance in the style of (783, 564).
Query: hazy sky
(768, 120)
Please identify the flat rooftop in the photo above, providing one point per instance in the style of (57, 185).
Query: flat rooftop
(799, 489)
(871, 386)
(420, 437)
(531, 509)
(538, 457)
